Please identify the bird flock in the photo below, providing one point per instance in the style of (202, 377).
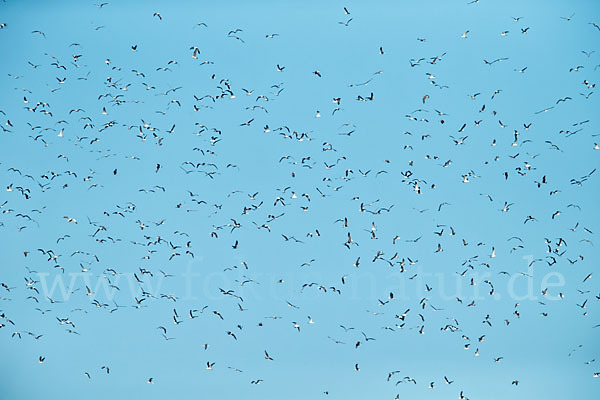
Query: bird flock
(200, 203)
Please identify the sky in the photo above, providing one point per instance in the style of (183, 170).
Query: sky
(383, 198)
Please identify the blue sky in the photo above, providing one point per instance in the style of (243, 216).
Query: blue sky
(125, 244)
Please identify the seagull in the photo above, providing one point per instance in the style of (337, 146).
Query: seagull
(345, 23)
(569, 17)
